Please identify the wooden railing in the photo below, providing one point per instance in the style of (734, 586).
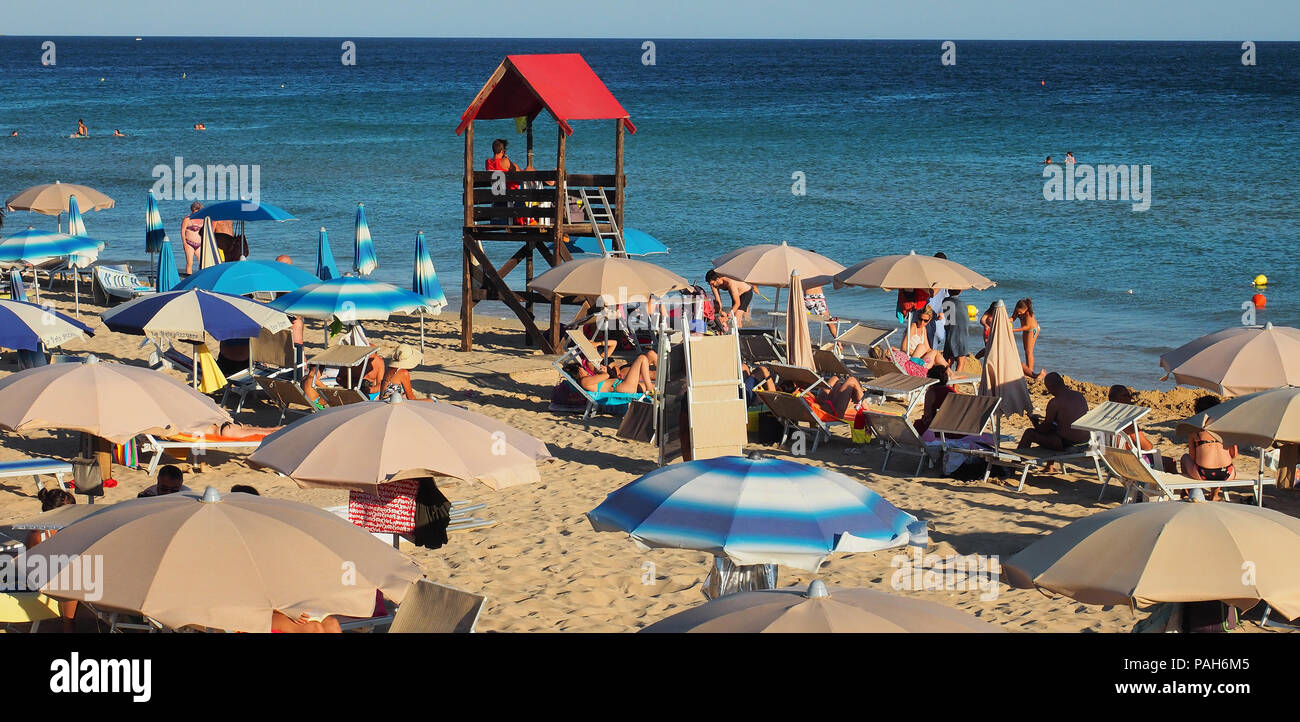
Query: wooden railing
(495, 203)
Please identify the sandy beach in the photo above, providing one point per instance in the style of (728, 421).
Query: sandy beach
(543, 568)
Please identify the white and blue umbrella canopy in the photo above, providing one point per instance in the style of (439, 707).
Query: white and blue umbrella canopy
(154, 234)
(168, 276)
(240, 278)
(635, 243)
(364, 260)
(209, 254)
(349, 299)
(188, 315)
(33, 246)
(77, 228)
(753, 511)
(27, 326)
(424, 281)
(238, 210)
(326, 268)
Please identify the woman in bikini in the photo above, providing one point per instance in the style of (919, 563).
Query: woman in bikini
(397, 378)
(191, 230)
(918, 345)
(634, 378)
(1028, 330)
(1207, 458)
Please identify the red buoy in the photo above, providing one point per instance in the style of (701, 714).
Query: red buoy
(1259, 301)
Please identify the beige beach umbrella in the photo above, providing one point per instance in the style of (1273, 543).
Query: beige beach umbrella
(614, 280)
(51, 199)
(227, 562)
(209, 254)
(362, 445)
(798, 340)
(1262, 418)
(1172, 551)
(770, 264)
(113, 401)
(911, 271)
(1003, 376)
(1238, 361)
(819, 610)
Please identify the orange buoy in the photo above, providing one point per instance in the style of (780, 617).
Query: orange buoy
(1259, 301)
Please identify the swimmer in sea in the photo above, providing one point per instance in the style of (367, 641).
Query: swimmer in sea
(81, 128)
(200, 126)
(1048, 161)
(118, 134)
(1069, 157)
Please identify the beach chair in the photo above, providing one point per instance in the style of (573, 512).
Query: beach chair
(111, 283)
(794, 410)
(36, 468)
(428, 608)
(966, 416)
(896, 434)
(1155, 483)
(19, 607)
(287, 395)
(860, 338)
(189, 448)
(270, 355)
(596, 400)
(908, 389)
(758, 346)
(339, 396)
(804, 378)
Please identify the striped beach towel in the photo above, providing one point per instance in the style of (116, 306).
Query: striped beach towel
(392, 511)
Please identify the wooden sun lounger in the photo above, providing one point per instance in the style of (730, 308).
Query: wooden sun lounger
(896, 433)
(1155, 483)
(36, 468)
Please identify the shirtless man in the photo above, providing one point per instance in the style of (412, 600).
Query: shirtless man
(1055, 430)
(741, 295)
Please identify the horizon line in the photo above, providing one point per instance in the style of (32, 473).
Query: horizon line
(662, 38)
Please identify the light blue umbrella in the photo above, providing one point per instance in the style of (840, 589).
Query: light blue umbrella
(243, 211)
(364, 260)
(326, 268)
(76, 226)
(349, 299)
(754, 511)
(244, 277)
(636, 243)
(154, 233)
(33, 246)
(168, 276)
(424, 282)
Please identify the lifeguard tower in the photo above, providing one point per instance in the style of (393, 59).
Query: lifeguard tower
(536, 210)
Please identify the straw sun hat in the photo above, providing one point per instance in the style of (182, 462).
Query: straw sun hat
(405, 357)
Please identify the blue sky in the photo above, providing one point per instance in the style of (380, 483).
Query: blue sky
(1235, 20)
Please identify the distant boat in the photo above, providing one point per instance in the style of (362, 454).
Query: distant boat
(137, 40)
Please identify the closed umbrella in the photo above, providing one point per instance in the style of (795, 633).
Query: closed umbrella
(228, 562)
(209, 254)
(911, 271)
(51, 199)
(395, 440)
(240, 278)
(613, 280)
(326, 268)
(1169, 552)
(27, 358)
(798, 341)
(1003, 375)
(424, 282)
(110, 400)
(28, 326)
(168, 276)
(753, 510)
(364, 260)
(819, 610)
(1237, 361)
(154, 233)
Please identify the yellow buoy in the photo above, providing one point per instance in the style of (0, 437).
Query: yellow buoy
(972, 311)
(1261, 280)
(101, 80)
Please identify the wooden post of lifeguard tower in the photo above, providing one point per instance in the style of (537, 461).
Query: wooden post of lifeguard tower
(530, 208)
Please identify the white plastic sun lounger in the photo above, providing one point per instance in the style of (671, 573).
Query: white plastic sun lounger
(197, 448)
(36, 468)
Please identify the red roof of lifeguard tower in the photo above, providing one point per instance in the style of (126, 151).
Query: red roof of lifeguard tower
(563, 84)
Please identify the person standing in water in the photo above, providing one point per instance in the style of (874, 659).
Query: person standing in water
(1028, 330)
(81, 128)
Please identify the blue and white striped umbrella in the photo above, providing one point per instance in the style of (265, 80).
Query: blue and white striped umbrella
(753, 511)
(424, 282)
(154, 233)
(349, 299)
(168, 276)
(240, 278)
(76, 226)
(188, 315)
(364, 260)
(326, 268)
(33, 246)
(27, 326)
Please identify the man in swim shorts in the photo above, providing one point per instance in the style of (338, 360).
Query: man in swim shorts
(1055, 430)
(742, 294)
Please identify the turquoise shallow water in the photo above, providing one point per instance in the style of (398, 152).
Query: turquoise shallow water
(899, 153)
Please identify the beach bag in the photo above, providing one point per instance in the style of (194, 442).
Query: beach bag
(87, 477)
(639, 422)
(861, 431)
(1212, 617)
(910, 367)
(565, 395)
(390, 511)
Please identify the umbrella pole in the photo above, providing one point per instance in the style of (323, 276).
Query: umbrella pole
(76, 288)
(421, 335)
(36, 284)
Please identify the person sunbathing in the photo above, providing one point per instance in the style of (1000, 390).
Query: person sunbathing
(1055, 430)
(1207, 457)
(238, 432)
(397, 378)
(284, 624)
(631, 378)
(838, 395)
(917, 342)
(934, 398)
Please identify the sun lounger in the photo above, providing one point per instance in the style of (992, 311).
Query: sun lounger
(794, 410)
(339, 396)
(896, 434)
(36, 468)
(861, 338)
(114, 283)
(596, 400)
(270, 355)
(1154, 483)
(20, 607)
(758, 346)
(966, 416)
(287, 395)
(804, 378)
(193, 446)
(430, 607)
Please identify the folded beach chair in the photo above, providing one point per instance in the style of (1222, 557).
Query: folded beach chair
(859, 339)
(117, 283)
(596, 400)
(192, 447)
(1157, 484)
(715, 393)
(287, 395)
(896, 434)
(36, 468)
(794, 410)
